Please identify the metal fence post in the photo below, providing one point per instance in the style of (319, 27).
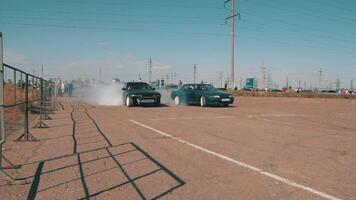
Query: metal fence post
(26, 135)
(21, 89)
(32, 88)
(26, 109)
(54, 95)
(46, 100)
(15, 86)
(2, 116)
(41, 124)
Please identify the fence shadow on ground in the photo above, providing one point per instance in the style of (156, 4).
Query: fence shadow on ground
(124, 169)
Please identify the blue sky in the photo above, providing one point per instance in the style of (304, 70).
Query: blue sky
(76, 38)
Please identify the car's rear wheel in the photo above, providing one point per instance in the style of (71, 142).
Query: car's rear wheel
(177, 100)
(129, 101)
(202, 102)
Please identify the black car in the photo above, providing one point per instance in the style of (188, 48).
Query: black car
(140, 93)
(201, 94)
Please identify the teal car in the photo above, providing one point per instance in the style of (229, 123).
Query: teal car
(140, 93)
(201, 94)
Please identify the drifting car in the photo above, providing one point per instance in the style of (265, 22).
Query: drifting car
(201, 94)
(140, 93)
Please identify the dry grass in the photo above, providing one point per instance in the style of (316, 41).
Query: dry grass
(291, 94)
(15, 113)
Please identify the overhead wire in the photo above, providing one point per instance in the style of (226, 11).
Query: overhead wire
(303, 12)
(103, 14)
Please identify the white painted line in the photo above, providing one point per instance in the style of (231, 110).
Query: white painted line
(192, 118)
(242, 164)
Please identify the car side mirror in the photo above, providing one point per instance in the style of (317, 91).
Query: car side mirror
(124, 89)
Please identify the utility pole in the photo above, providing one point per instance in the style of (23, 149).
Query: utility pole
(269, 82)
(172, 77)
(264, 77)
(232, 22)
(240, 85)
(195, 73)
(150, 72)
(221, 80)
(287, 83)
(352, 85)
(305, 85)
(320, 78)
(100, 74)
(338, 83)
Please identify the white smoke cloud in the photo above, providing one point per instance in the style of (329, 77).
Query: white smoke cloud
(104, 95)
(111, 95)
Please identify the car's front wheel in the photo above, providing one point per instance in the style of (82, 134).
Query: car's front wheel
(128, 101)
(202, 102)
(177, 100)
(158, 102)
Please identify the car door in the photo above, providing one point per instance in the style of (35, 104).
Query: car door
(191, 93)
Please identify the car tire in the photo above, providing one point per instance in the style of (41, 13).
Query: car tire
(158, 103)
(128, 101)
(202, 101)
(177, 100)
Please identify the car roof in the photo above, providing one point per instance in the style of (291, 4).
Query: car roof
(196, 84)
(135, 82)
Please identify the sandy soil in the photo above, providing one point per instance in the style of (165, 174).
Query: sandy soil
(259, 148)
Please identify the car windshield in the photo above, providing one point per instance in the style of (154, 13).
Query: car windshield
(206, 87)
(138, 86)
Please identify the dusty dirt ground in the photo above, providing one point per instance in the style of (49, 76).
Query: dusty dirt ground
(259, 148)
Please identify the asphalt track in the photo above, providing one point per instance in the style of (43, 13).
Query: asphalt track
(259, 148)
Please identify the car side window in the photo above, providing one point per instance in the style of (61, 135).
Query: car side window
(185, 87)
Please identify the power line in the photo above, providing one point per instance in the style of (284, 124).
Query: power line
(130, 4)
(110, 28)
(166, 22)
(293, 24)
(103, 14)
(324, 3)
(296, 30)
(106, 20)
(248, 37)
(334, 6)
(309, 40)
(301, 12)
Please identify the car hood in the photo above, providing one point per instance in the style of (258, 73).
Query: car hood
(221, 94)
(143, 92)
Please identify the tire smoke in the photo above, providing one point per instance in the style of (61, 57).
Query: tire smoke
(104, 95)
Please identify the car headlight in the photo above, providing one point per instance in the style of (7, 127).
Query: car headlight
(230, 96)
(214, 96)
(136, 95)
